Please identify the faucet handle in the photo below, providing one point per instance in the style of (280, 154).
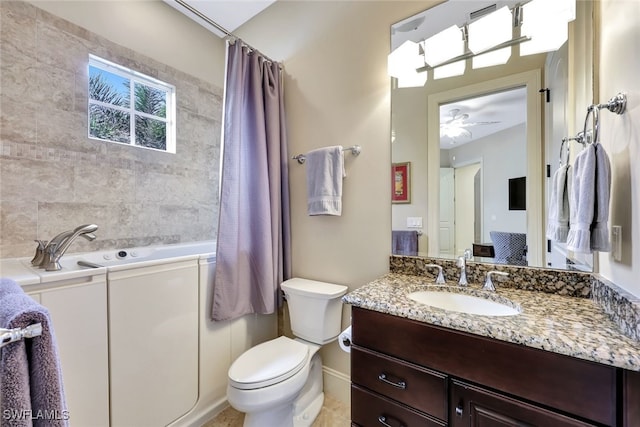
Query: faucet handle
(488, 284)
(39, 255)
(440, 279)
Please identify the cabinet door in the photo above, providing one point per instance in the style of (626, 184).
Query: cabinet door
(153, 340)
(79, 315)
(477, 407)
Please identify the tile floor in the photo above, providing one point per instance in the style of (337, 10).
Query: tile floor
(333, 414)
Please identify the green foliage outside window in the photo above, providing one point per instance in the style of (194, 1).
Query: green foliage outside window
(111, 111)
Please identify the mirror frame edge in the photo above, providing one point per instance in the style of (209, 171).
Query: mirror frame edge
(532, 80)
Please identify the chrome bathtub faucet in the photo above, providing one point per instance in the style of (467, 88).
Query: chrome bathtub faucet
(59, 245)
(440, 279)
(488, 284)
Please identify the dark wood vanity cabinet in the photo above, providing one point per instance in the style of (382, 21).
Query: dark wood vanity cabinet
(409, 373)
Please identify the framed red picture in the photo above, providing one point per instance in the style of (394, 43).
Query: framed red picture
(401, 182)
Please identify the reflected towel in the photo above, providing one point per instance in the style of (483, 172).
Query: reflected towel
(582, 201)
(404, 242)
(30, 374)
(558, 223)
(325, 171)
(600, 226)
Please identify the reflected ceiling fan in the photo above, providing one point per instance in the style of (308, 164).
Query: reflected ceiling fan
(456, 126)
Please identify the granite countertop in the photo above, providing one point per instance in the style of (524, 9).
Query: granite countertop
(567, 325)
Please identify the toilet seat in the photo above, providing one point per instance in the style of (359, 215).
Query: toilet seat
(268, 363)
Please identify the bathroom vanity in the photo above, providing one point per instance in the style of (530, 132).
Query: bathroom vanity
(551, 365)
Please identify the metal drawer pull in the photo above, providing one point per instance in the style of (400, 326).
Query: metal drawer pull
(400, 384)
(383, 420)
(459, 410)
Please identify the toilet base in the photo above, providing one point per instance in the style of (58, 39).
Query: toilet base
(278, 416)
(309, 415)
(308, 404)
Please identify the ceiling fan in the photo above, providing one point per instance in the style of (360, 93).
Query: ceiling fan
(456, 126)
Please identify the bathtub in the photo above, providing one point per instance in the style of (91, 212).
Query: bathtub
(129, 305)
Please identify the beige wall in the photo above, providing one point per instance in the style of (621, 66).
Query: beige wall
(53, 177)
(150, 27)
(619, 71)
(337, 92)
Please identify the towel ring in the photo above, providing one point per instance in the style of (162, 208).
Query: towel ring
(595, 111)
(565, 142)
(617, 104)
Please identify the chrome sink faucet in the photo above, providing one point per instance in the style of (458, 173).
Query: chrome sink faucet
(59, 245)
(462, 263)
(488, 284)
(440, 279)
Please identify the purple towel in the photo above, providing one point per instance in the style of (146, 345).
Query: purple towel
(404, 242)
(31, 390)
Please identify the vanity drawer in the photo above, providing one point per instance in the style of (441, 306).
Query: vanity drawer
(420, 388)
(565, 383)
(369, 409)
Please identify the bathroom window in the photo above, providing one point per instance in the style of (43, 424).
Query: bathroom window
(129, 107)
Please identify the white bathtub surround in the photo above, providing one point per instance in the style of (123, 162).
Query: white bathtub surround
(254, 235)
(111, 367)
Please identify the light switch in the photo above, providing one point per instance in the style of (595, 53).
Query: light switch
(414, 222)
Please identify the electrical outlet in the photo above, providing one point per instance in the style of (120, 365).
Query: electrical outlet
(616, 242)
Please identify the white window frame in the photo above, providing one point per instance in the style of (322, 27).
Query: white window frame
(136, 77)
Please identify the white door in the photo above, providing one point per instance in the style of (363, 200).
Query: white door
(557, 75)
(465, 206)
(447, 213)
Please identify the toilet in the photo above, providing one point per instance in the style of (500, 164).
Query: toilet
(279, 382)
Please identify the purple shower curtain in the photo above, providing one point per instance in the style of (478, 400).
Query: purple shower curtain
(253, 250)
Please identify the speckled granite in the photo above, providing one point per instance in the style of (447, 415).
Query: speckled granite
(563, 324)
(622, 307)
(560, 282)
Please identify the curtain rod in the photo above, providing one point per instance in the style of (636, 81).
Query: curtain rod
(218, 26)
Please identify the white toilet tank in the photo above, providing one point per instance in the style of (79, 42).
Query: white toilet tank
(315, 309)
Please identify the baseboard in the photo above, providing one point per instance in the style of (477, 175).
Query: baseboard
(337, 384)
(200, 416)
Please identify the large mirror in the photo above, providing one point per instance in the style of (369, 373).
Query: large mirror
(472, 154)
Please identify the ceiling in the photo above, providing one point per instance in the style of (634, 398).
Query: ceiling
(230, 14)
(487, 114)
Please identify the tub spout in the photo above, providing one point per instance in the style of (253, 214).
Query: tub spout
(59, 245)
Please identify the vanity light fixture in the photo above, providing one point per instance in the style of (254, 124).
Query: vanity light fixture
(403, 62)
(488, 32)
(443, 47)
(542, 27)
(546, 24)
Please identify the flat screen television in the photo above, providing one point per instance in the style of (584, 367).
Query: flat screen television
(518, 194)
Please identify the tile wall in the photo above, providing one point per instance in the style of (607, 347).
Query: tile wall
(53, 177)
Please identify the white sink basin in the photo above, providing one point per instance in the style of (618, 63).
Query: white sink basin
(463, 303)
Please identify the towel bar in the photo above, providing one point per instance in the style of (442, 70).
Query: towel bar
(355, 150)
(10, 335)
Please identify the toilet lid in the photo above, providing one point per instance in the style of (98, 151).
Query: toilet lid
(268, 363)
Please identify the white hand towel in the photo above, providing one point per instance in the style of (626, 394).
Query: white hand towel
(582, 201)
(558, 223)
(325, 171)
(600, 227)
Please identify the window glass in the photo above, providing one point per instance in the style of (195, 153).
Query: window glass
(128, 107)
